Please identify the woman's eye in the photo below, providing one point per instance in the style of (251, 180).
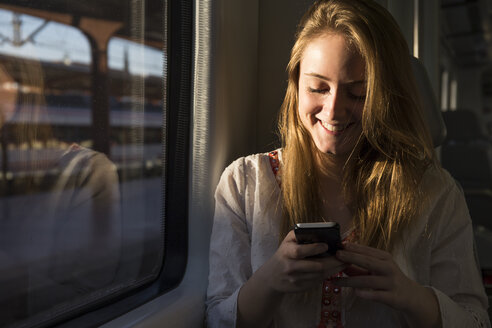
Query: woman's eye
(313, 90)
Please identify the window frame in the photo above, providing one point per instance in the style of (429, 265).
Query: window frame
(177, 96)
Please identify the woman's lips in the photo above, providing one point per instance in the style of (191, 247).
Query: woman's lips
(335, 129)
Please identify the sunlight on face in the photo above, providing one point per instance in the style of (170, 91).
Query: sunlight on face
(332, 90)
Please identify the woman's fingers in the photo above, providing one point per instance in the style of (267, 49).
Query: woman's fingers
(298, 275)
(375, 276)
(372, 264)
(303, 266)
(301, 251)
(306, 250)
(291, 236)
(331, 265)
(293, 267)
(354, 270)
(315, 277)
(319, 268)
(366, 250)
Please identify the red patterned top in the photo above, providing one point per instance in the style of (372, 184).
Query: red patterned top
(331, 299)
(275, 164)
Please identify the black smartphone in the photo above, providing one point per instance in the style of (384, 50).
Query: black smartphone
(320, 232)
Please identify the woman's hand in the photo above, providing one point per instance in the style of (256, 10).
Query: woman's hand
(292, 268)
(375, 276)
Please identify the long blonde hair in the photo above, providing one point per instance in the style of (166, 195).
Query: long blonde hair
(381, 177)
(26, 131)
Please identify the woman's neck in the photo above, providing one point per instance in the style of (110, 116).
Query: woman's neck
(334, 205)
(329, 166)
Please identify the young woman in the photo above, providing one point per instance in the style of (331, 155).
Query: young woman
(356, 151)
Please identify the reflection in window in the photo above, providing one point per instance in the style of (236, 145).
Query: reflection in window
(81, 157)
(37, 38)
(135, 97)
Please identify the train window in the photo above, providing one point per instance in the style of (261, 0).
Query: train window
(93, 150)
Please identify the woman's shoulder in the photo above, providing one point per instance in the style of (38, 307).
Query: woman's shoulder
(84, 161)
(437, 181)
(254, 162)
(445, 198)
(76, 152)
(252, 170)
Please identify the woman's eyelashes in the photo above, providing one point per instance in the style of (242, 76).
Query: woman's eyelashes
(320, 90)
(350, 95)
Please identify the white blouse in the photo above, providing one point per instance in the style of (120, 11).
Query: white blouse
(437, 251)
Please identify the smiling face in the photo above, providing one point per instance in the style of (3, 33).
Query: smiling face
(332, 90)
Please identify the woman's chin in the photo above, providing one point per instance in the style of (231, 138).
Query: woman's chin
(331, 151)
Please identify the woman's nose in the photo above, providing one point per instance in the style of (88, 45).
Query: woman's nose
(334, 104)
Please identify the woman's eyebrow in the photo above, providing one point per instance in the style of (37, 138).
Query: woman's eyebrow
(319, 76)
